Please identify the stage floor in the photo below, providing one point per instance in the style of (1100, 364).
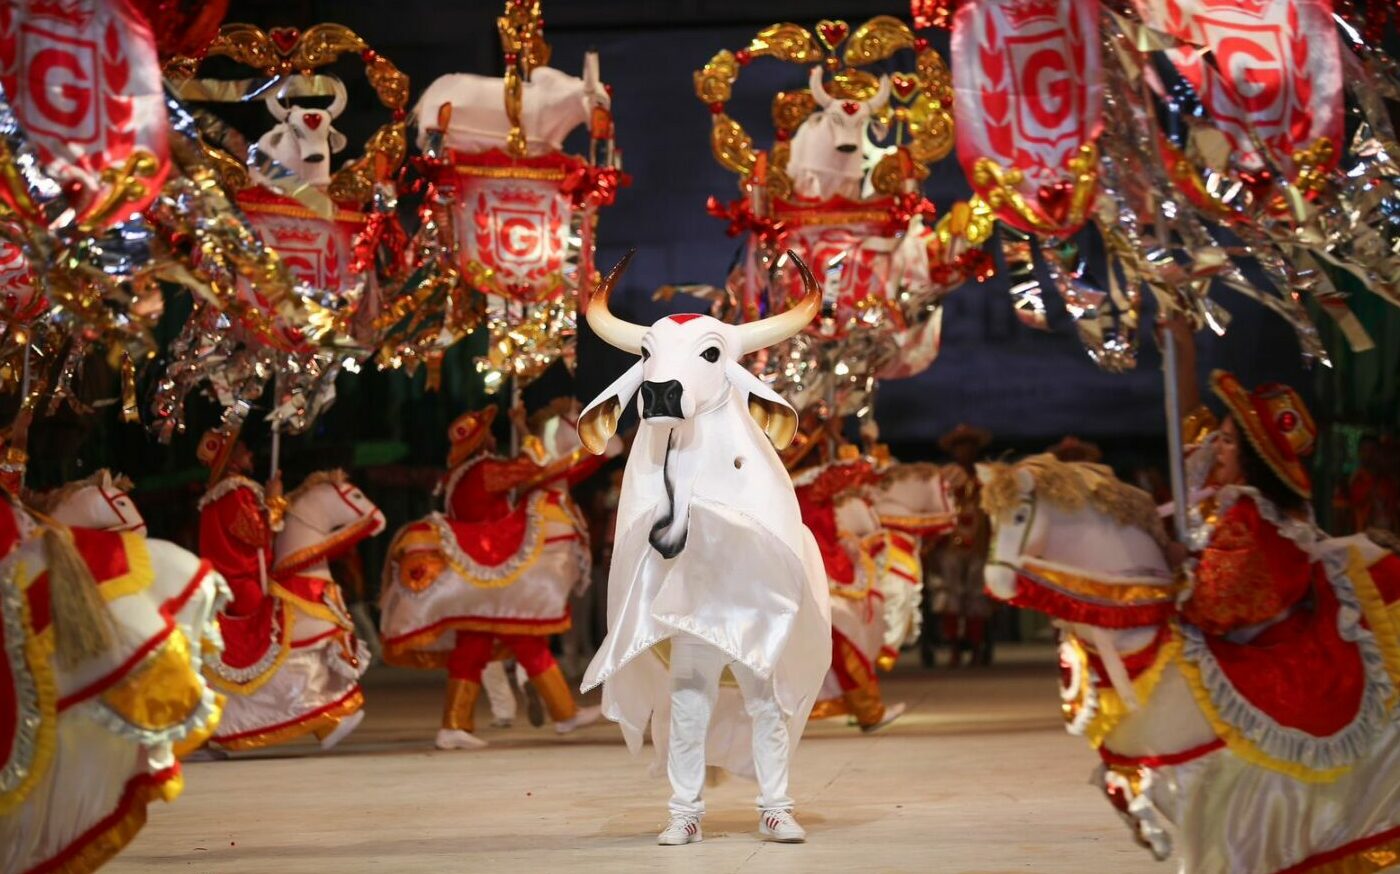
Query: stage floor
(978, 778)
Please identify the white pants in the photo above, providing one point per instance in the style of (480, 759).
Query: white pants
(696, 667)
(498, 691)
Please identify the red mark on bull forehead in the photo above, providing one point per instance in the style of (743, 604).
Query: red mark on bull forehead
(682, 318)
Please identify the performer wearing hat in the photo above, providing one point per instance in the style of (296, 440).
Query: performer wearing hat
(492, 573)
(1249, 569)
(237, 519)
(1072, 449)
(957, 597)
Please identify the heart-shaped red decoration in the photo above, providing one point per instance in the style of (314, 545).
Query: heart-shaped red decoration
(904, 85)
(285, 38)
(1054, 200)
(850, 107)
(313, 119)
(832, 32)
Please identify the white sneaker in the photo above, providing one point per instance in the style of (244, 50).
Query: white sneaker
(780, 826)
(456, 739)
(684, 828)
(892, 712)
(343, 729)
(584, 716)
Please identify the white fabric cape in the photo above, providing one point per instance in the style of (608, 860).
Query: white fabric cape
(749, 580)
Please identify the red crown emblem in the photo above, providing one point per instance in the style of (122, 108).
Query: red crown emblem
(519, 195)
(1023, 12)
(1256, 8)
(70, 12)
(296, 235)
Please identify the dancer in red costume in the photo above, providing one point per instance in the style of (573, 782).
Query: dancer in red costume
(291, 664)
(237, 520)
(957, 599)
(492, 573)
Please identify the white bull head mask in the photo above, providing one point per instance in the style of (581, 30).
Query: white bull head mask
(304, 139)
(847, 120)
(689, 362)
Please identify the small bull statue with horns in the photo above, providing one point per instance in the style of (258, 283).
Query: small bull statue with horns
(713, 573)
(829, 148)
(303, 139)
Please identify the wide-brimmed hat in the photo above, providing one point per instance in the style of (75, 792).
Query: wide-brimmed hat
(1276, 423)
(214, 450)
(962, 434)
(467, 433)
(1071, 448)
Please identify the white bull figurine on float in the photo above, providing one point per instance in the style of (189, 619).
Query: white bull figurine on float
(829, 149)
(303, 140)
(553, 103)
(710, 544)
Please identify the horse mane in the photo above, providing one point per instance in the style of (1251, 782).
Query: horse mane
(1073, 486)
(48, 501)
(335, 477)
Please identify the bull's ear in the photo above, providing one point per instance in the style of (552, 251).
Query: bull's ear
(598, 422)
(774, 415)
(337, 141)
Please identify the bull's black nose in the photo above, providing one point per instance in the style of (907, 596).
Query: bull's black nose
(846, 147)
(314, 159)
(662, 399)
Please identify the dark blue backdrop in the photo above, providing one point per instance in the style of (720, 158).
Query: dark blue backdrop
(1027, 387)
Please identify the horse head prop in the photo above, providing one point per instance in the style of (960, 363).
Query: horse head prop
(99, 501)
(326, 516)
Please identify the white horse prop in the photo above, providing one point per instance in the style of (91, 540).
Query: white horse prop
(307, 680)
(102, 634)
(1187, 746)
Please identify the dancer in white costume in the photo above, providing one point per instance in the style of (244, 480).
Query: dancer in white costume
(713, 575)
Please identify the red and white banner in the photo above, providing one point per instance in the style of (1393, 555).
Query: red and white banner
(84, 81)
(847, 247)
(318, 252)
(20, 301)
(1028, 95)
(512, 218)
(1274, 70)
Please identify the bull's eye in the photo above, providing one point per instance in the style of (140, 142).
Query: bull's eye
(711, 354)
(646, 353)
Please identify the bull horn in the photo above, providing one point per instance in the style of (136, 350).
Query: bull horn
(614, 331)
(592, 79)
(775, 329)
(274, 104)
(338, 103)
(882, 95)
(818, 88)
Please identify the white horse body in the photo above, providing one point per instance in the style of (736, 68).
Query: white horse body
(1166, 767)
(109, 758)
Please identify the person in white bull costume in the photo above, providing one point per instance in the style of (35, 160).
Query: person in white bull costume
(719, 625)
